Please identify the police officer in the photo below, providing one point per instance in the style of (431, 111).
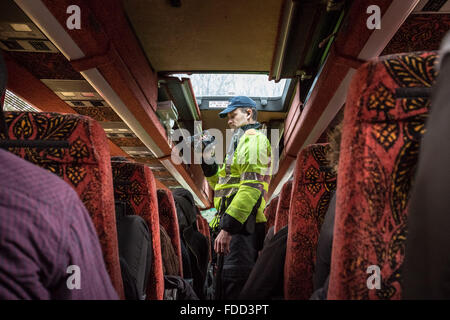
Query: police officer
(239, 187)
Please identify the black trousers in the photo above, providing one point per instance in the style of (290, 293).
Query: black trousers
(233, 281)
(239, 263)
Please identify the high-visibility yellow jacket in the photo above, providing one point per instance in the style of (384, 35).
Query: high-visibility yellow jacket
(242, 179)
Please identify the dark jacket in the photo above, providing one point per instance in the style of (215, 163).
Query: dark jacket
(177, 288)
(266, 279)
(323, 258)
(196, 244)
(427, 258)
(170, 259)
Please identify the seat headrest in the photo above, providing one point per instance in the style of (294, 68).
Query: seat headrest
(180, 192)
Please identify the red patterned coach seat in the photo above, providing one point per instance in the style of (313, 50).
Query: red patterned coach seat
(203, 227)
(312, 190)
(270, 213)
(134, 185)
(84, 164)
(384, 119)
(169, 220)
(281, 215)
(200, 226)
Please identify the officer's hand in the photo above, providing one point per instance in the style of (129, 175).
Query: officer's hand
(222, 242)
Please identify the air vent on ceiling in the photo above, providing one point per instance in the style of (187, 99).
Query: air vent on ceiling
(19, 30)
(27, 45)
(39, 45)
(120, 135)
(137, 152)
(12, 45)
(166, 179)
(84, 103)
(20, 27)
(97, 103)
(115, 127)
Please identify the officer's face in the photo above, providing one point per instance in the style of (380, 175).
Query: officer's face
(239, 117)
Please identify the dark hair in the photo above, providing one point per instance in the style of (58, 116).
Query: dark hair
(254, 112)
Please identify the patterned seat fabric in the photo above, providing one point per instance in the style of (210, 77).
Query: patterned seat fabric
(200, 226)
(169, 220)
(282, 212)
(135, 186)
(208, 235)
(383, 125)
(270, 213)
(312, 190)
(84, 165)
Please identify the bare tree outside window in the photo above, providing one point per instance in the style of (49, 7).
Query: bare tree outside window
(219, 84)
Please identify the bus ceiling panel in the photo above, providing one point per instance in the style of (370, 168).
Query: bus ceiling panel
(10, 12)
(18, 33)
(228, 35)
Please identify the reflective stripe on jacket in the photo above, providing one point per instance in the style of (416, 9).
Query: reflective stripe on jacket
(244, 176)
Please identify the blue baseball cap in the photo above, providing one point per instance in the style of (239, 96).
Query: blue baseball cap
(238, 102)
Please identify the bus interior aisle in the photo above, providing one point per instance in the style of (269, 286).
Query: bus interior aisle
(224, 150)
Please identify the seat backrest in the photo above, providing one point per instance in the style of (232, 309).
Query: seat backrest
(84, 165)
(196, 244)
(135, 186)
(169, 220)
(135, 252)
(312, 190)
(171, 263)
(270, 213)
(203, 227)
(282, 212)
(383, 124)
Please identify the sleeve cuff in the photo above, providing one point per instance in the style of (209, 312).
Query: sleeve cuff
(230, 224)
(209, 169)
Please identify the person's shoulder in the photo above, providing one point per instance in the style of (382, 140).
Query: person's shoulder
(256, 137)
(255, 134)
(252, 132)
(28, 179)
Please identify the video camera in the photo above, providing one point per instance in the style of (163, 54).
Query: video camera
(201, 140)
